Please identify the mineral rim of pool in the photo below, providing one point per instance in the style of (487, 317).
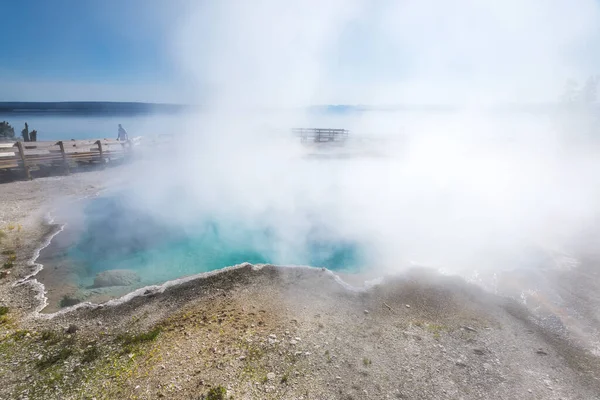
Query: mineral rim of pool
(111, 248)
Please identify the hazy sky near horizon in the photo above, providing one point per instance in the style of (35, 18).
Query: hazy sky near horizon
(269, 52)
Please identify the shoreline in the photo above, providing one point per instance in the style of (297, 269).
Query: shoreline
(38, 286)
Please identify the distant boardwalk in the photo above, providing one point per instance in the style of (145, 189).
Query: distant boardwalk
(317, 135)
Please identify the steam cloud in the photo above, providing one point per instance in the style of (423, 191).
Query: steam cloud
(466, 188)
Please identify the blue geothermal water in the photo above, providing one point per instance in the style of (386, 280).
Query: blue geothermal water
(115, 235)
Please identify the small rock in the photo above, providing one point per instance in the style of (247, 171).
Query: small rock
(71, 329)
(366, 311)
(116, 277)
(407, 305)
(293, 342)
(529, 391)
(271, 376)
(468, 328)
(242, 358)
(541, 352)
(273, 336)
(99, 323)
(137, 387)
(339, 378)
(479, 351)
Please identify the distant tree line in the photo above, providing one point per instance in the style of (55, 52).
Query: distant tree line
(7, 132)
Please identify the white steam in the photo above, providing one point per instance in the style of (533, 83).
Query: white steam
(459, 189)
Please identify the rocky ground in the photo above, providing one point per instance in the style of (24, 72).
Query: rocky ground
(278, 333)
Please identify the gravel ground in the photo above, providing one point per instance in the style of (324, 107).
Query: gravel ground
(283, 333)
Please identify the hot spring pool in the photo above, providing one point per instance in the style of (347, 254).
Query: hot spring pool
(108, 233)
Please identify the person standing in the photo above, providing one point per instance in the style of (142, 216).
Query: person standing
(25, 133)
(122, 134)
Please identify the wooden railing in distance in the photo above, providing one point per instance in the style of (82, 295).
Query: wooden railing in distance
(320, 135)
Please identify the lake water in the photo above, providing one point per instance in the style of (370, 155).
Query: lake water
(56, 127)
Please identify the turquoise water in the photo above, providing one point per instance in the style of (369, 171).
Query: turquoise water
(116, 235)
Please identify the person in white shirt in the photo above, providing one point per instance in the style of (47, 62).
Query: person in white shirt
(122, 134)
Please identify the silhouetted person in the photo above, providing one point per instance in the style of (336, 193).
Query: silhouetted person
(122, 134)
(33, 136)
(25, 133)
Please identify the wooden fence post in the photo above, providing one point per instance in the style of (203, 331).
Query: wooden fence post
(130, 143)
(101, 151)
(64, 157)
(24, 160)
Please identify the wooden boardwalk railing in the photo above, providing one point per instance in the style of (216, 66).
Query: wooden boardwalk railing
(320, 135)
(29, 156)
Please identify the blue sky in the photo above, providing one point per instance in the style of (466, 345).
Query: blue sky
(279, 52)
(90, 43)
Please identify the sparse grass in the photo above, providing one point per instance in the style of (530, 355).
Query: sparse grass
(74, 367)
(329, 360)
(20, 334)
(90, 354)
(49, 336)
(54, 358)
(7, 252)
(129, 339)
(216, 393)
(8, 264)
(366, 361)
(436, 329)
(285, 377)
(3, 315)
